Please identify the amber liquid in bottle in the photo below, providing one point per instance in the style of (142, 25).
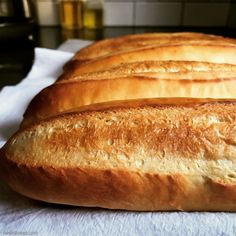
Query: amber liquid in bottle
(93, 14)
(93, 18)
(71, 12)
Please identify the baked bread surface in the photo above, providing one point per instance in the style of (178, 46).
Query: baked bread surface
(131, 42)
(158, 154)
(138, 80)
(79, 145)
(175, 70)
(177, 52)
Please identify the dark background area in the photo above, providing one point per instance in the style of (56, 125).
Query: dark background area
(17, 54)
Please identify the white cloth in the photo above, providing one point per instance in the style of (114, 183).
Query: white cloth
(22, 216)
(14, 99)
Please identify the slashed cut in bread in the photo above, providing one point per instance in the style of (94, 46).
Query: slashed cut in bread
(135, 80)
(145, 155)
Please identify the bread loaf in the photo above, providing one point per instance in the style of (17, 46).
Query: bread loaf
(140, 80)
(145, 155)
(176, 52)
(130, 125)
(141, 72)
(131, 42)
(173, 70)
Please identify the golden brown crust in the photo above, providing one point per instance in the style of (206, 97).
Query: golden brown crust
(130, 42)
(119, 189)
(189, 70)
(176, 52)
(125, 166)
(61, 97)
(144, 154)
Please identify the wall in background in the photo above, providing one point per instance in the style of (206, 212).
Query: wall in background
(154, 12)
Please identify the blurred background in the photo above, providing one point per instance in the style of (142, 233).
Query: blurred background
(135, 16)
(26, 24)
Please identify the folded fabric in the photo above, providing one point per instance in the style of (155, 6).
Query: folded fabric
(14, 99)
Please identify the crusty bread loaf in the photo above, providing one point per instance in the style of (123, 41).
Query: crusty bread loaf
(130, 42)
(156, 71)
(145, 155)
(176, 52)
(173, 70)
(156, 152)
(152, 79)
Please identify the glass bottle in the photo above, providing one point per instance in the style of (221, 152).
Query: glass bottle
(71, 12)
(93, 14)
